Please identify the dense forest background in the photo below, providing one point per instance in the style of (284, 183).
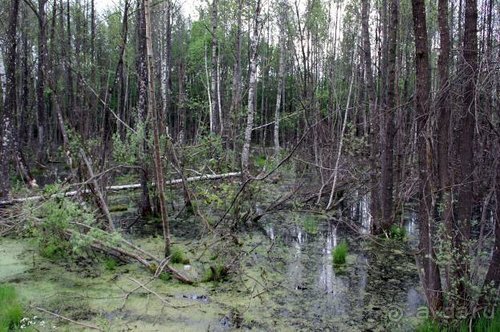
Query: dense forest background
(398, 99)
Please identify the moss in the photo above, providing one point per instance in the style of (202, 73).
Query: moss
(339, 254)
(11, 311)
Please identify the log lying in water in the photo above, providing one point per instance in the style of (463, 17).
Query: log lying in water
(122, 187)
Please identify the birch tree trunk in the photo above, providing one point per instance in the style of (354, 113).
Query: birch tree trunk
(281, 73)
(166, 82)
(372, 109)
(252, 88)
(215, 122)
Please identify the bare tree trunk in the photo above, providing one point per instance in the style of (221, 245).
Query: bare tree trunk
(145, 204)
(492, 278)
(41, 72)
(9, 111)
(108, 126)
(372, 109)
(281, 73)
(444, 125)
(236, 84)
(181, 107)
(153, 110)
(465, 143)
(387, 156)
(214, 86)
(121, 74)
(166, 85)
(431, 279)
(252, 87)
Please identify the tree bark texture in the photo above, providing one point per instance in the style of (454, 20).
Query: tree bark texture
(431, 278)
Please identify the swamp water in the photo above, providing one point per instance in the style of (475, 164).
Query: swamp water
(286, 281)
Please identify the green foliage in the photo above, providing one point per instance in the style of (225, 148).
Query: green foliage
(215, 273)
(310, 224)
(260, 161)
(53, 249)
(165, 276)
(208, 152)
(110, 264)
(127, 151)
(50, 221)
(339, 253)
(177, 255)
(397, 232)
(481, 324)
(11, 311)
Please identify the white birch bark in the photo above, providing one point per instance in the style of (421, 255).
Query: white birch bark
(252, 87)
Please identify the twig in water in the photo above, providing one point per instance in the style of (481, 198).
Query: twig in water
(67, 319)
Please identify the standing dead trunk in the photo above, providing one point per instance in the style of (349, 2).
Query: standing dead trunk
(252, 88)
(153, 110)
(431, 279)
(145, 204)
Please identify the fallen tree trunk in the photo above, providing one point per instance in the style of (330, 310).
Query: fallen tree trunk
(122, 187)
(150, 262)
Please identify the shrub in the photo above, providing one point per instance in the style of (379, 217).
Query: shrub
(397, 232)
(339, 253)
(11, 311)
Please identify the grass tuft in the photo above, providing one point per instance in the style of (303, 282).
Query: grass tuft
(397, 233)
(339, 253)
(177, 255)
(11, 311)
